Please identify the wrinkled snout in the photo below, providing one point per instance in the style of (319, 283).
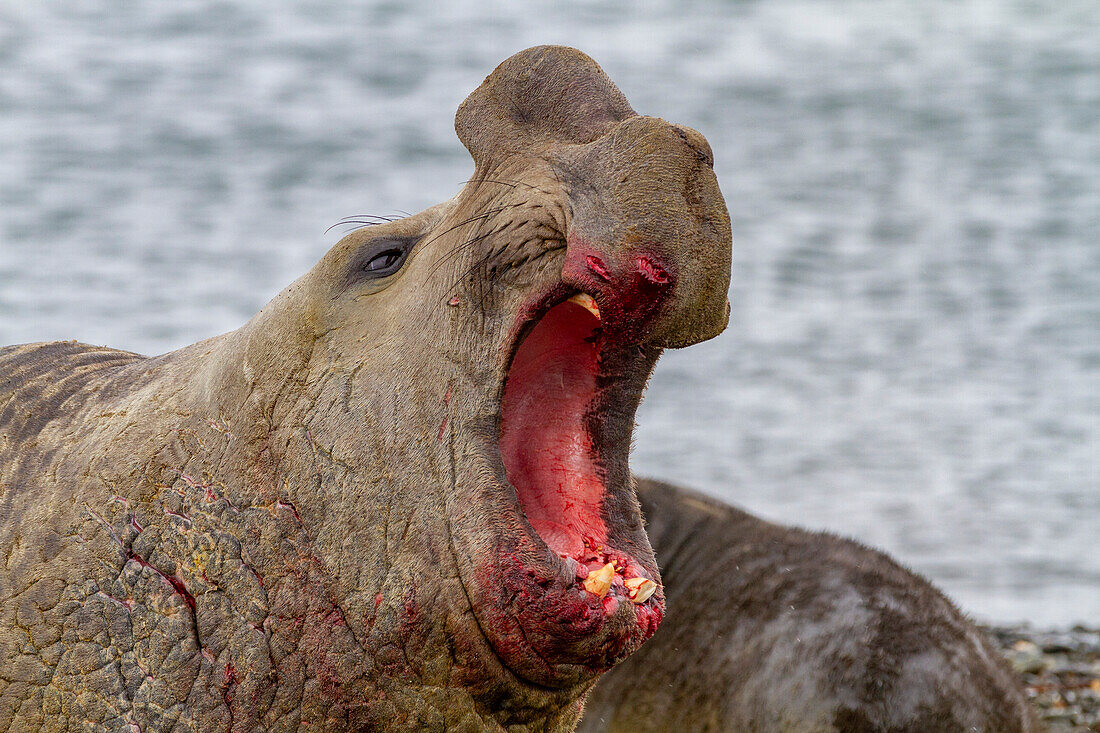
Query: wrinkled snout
(649, 234)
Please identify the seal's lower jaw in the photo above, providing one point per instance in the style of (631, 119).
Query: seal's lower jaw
(581, 589)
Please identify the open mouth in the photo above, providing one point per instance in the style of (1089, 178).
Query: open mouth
(557, 442)
(560, 574)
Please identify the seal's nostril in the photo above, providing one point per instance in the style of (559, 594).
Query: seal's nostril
(595, 264)
(652, 272)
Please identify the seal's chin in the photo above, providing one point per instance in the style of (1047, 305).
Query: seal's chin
(559, 396)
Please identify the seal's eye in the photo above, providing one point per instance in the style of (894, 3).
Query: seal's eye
(379, 258)
(385, 262)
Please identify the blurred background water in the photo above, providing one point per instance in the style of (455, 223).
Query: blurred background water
(914, 355)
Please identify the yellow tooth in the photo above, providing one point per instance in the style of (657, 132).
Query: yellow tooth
(598, 582)
(586, 301)
(640, 589)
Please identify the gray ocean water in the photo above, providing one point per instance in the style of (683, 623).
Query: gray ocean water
(914, 354)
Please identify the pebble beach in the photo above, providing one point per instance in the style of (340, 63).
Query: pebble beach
(1060, 670)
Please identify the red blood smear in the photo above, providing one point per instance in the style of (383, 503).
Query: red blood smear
(545, 446)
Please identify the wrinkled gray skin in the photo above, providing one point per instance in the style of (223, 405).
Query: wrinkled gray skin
(304, 525)
(778, 630)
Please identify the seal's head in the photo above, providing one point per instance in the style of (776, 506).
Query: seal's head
(475, 371)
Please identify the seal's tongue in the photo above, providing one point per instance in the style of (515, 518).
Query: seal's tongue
(547, 450)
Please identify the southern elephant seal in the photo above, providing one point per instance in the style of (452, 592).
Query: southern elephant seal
(773, 630)
(398, 497)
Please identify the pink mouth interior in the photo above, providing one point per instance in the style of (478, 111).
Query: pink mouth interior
(546, 448)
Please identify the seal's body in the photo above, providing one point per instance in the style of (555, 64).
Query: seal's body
(156, 576)
(398, 497)
(772, 629)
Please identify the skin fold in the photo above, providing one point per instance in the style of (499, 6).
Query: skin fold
(305, 524)
(772, 629)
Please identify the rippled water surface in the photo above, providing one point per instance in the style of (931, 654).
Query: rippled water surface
(914, 356)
